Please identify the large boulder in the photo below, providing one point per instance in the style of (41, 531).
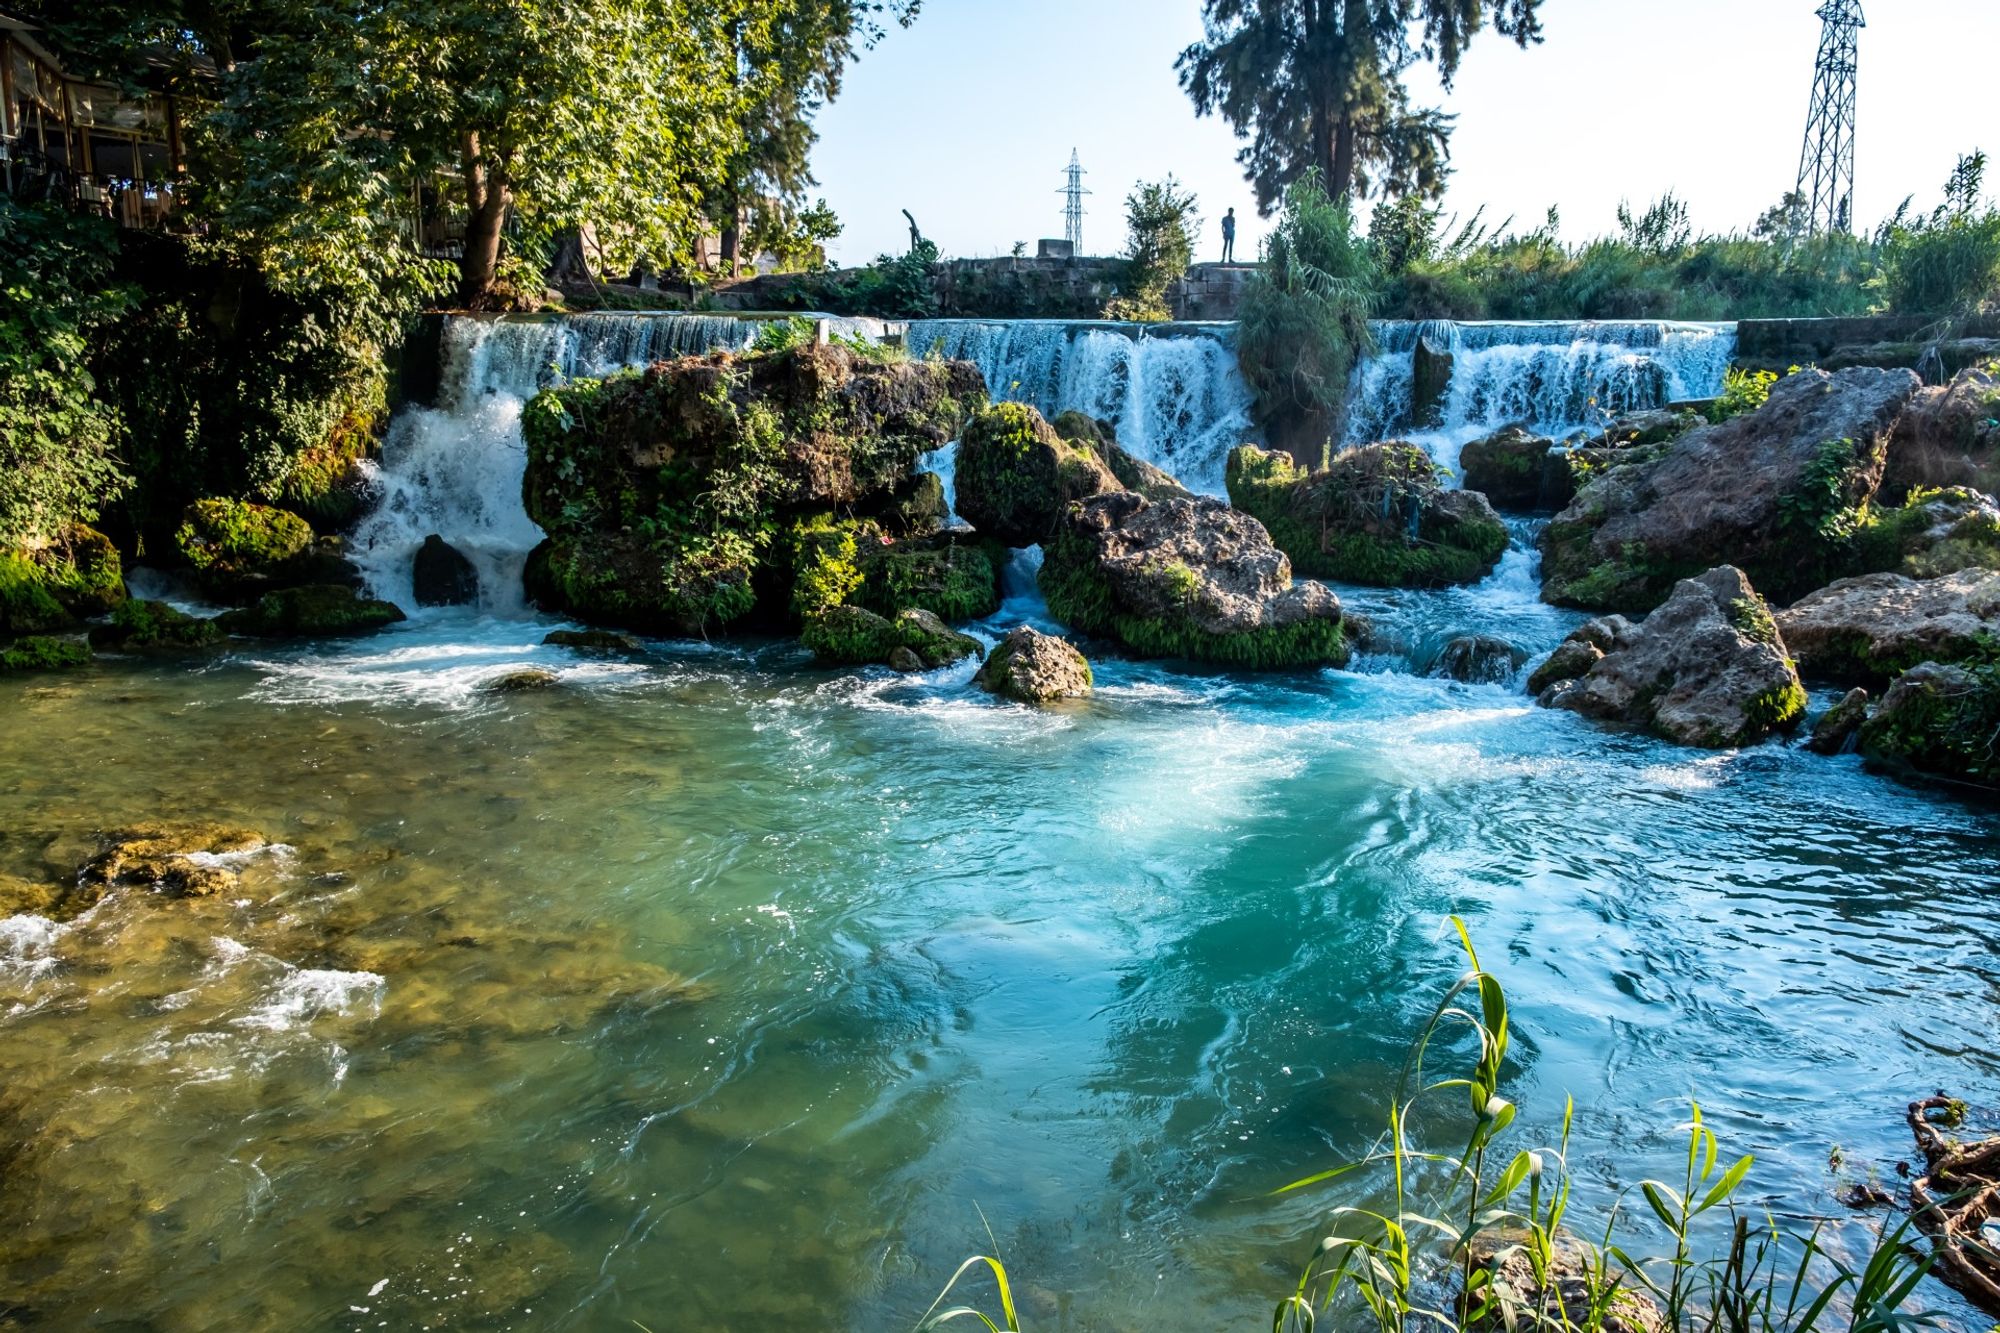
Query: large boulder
(1778, 492)
(910, 641)
(441, 575)
(1518, 469)
(1872, 628)
(49, 586)
(1431, 366)
(234, 545)
(1942, 720)
(1016, 475)
(662, 492)
(321, 610)
(1378, 514)
(1187, 578)
(1707, 668)
(952, 578)
(1035, 668)
(1478, 659)
(42, 652)
(154, 628)
(1949, 435)
(1133, 472)
(1935, 532)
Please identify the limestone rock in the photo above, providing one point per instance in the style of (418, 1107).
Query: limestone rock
(1871, 628)
(1776, 492)
(1838, 725)
(1582, 650)
(1707, 668)
(441, 575)
(1378, 514)
(1940, 720)
(1016, 475)
(1035, 668)
(1516, 469)
(1187, 578)
(1949, 435)
(1133, 472)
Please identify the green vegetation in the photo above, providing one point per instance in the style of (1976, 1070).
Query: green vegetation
(1161, 223)
(1742, 391)
(42, 653)
(317, 610)
(138, 626)
(1016, 474)
(1943, 719)
(908, 641)
(953, 580)
(1947, 263)
(231, 537)
(1305, 321)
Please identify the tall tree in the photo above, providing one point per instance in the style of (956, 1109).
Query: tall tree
(1317, 85)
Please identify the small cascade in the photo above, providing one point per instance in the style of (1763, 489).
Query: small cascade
(1173, 394)
(1556, 378)
(455, 469)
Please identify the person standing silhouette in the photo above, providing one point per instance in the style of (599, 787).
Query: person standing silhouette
(1229, 237)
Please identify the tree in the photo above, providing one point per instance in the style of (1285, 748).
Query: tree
(789, 59)
(1161, 222)
(1317, 85)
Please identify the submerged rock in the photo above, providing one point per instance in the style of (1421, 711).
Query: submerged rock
(314, 611)
(1479, 659)
(662, 492)
(1016, 475)
(1777, 492)
(440, 575)
(912, 641)
(1035, 668)
(593, 641)
(174, 860)
(524, 681)
(1378, 514)
(1871, 628)
(1940, 720)
(1707, 668)
(1187, 578)
(154, 627)
(1519, 470)
(1837, 727)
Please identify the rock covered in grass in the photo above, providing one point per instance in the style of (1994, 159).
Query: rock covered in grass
(1016, 475)
(1518, 470)
(315, 611)
(1871, 628)
(1777, 492)
(230, 541)
(1707, 668)
(953, 578)
(42, 652)
(154, 628)
(48, 587)
(1133, 472)
(441, 575)
(1379, 514)
(1187, 578)
(1035, 668)
(913, 640)
(1942, 720)
(1839, 724)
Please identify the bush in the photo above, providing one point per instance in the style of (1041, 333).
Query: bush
(1160, 222)
(1948, 263)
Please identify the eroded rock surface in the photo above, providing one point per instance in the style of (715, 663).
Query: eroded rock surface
(1035, 668)
(1872, 628)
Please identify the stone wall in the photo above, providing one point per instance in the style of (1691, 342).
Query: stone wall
(1879, 340)
(1023, 288)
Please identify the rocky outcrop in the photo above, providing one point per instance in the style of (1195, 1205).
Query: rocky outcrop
(1949, 435)
(593, 641)
(953, 578)
(1016, 475)
(1478, 659)
(154, 628)
(49, 587)
(42, 652)
(1872, 628)
(663, 493)
(1707, 668)
(1187, 578)
(1940, 720)
(1431, 365)
(1778, 492)
(1837, 727)
(1377, 515)
(322, 610)
(441, 575)
(1133, 472)
(1934, 533)
(1582, 650)
(234, 545)
(911, 641)
(1035, 668)
(1519, 470)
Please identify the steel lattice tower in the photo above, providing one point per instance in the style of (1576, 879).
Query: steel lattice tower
(1073, 193)
(1826, 163)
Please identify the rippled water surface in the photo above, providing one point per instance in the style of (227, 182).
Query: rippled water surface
(714, 991)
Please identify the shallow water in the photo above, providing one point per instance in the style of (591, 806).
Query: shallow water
(716, 991)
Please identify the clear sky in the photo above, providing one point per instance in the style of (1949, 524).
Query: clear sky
(968, 118)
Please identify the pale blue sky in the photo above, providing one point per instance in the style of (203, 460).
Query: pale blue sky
(968, 117)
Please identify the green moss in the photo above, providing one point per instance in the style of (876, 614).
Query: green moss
(1777, 707)
(42, 653)
(314, 611)
(1080, 597)
(821, 552)
(851, 636)
(953, 580)
(1948, 725)
(1016, 474)
(26, 604)
(1753, 621)
(138, 626)
(224, 536)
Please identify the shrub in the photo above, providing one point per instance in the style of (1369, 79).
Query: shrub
(1949, 262)
(1160, 222)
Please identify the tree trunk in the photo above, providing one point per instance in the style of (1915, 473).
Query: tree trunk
(732, 247)
(486, 197)
(1340, 177)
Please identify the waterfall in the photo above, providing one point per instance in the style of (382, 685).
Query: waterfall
(1172, 394)
(1555, 377)
(455, 469)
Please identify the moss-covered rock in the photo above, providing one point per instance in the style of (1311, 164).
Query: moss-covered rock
(321, 610)
(916, 508)
(1133, 472)
(154, 627)
(49, 587)
(328, 486)
(1838, 726)
(1940, 720)
(1519, 470)
(667, 494)
(1873, 628)
(953, 578)
(1016, 475)
(1377, 515)
(1933, 533)
(1192, 579)
(225, 539)
(42, 652)
(913, 640)
(593, 641)
(27, 606)
(1031, 667)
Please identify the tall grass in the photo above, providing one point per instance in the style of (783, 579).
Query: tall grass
(1475, 1238)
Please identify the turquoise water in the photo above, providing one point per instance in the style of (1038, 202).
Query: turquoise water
(715, 991)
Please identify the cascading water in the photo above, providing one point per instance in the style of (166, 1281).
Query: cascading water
(1174, 396)
(455, 469)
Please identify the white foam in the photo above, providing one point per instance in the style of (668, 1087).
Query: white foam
(304, 994)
